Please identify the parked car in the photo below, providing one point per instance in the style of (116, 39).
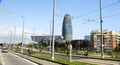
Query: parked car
(4, 49)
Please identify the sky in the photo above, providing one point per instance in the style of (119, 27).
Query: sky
(38, 16)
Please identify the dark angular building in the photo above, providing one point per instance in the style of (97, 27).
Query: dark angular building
(46, 39)
(67, 28)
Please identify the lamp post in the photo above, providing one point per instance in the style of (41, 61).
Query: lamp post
(54, 6)
(70, 51)
(10, 39)
(22, 34)
(101, 39)
(33, 38)
(50, 35)
(14, 37)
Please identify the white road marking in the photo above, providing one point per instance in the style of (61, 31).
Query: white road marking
(18, 57)
(25, 59)
(1, 57)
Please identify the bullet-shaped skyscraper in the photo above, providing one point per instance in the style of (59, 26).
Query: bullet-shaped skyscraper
(67, 28)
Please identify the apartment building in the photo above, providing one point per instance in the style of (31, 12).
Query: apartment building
(110, 39)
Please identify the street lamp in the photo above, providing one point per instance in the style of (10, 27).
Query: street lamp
(22, 34)
(33, 38)
(70, 52)
(54, 6)
(10, 36)
(50, 35)
(14, 37)
(101, 39)
(10, 39)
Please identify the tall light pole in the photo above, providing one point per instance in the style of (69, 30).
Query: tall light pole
(22, 34)
(70, 45)
(10, 36)
(50, 35)
(54, 6)
(14, 37)
(33, 38)
(101, 38)
(10, 39)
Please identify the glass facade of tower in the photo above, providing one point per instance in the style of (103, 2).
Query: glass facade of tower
(67, 28)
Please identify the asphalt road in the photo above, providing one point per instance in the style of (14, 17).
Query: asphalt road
(12, 59)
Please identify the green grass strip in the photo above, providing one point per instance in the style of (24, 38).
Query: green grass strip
(61, 61)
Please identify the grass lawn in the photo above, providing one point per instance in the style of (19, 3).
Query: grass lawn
(61, 61)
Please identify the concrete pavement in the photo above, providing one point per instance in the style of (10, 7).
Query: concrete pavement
(92, 61)
(12, 59)
(87, 60)
(38, 61)
(99, 62)
(0, 57)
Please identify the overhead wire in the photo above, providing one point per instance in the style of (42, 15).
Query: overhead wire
(95, 20)
(115, 3)
(97, 10)
(91, 12)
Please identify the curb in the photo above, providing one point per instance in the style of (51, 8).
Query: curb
(51, 61)
(38, 58)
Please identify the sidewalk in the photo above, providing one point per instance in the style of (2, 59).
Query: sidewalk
(98, 61)
(0, 57)
(92, 61)
(87, 60)
(35, 60)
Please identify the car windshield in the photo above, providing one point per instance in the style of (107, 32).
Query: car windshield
(4, 48)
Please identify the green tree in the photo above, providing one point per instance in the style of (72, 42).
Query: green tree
(30, 45)
(117, 49)
(76, 45)
(87, 46)
(39, 47)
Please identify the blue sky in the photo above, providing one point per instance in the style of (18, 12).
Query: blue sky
(38, 14)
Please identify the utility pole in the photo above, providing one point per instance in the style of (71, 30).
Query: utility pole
(14, 37)
(22, 34)
(101, 39)
(70, 45)
(10, 39)
(50, 35)
(54, 6)
(33, 38)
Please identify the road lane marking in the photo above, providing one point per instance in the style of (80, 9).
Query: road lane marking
(25, 59)
(18, 57)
